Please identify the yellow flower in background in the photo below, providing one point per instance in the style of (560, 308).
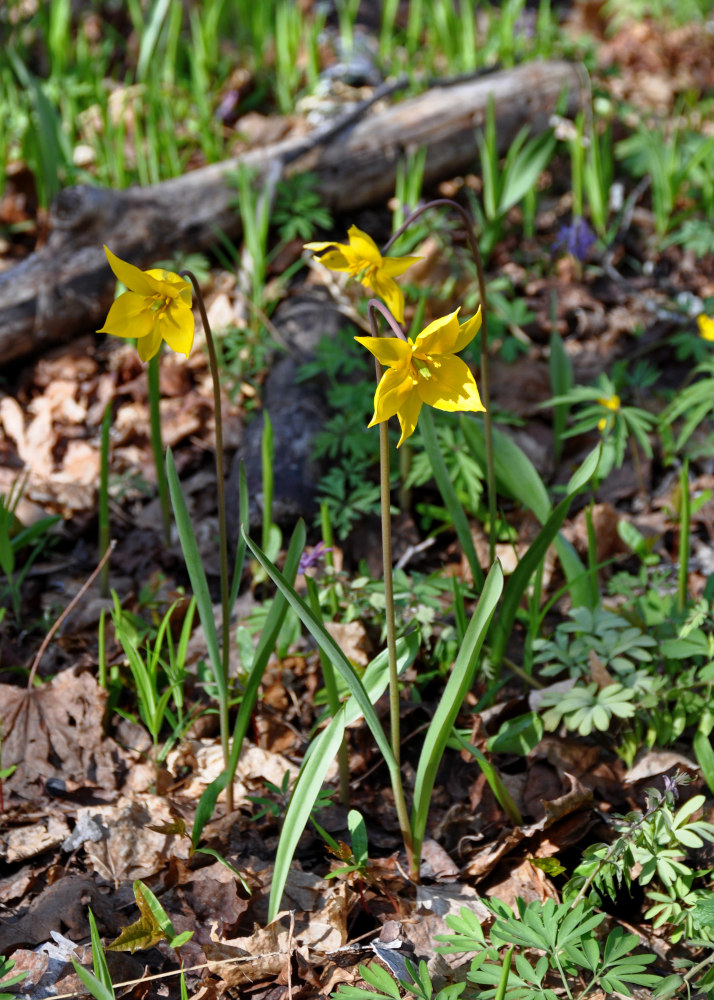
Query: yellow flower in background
(611, 403)
(155, 307)
(424, 370)
(706, 327)
(361, 259)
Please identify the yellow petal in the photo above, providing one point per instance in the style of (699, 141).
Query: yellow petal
(169, 284)
(389, 351)
(129, 317)
(177, 327)
(439, 337)
(134, 279)
(394, 266)
(706, 327)
(335, 260)
(389, 291)
(467, 331)
(408, 416)
(392, 392)
(320, 246)
(363, 246)
(149, 346)
(451, 386)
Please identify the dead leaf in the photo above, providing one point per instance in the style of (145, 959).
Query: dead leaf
(56, 731)
(22, 842)
(352, 639)
(131, 849)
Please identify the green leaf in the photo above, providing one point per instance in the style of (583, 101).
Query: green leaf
(197, 575)
(330, 648)
(448, 494)
(152, 926)
(458, 685)
(321, 754)
(516, 476)
(519, 735)
(96, 988)
(705, 756)
(99, 960)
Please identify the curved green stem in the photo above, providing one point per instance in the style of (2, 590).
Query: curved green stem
(222, 528)
(485, 388)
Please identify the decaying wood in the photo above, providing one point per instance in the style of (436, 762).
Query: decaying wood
(65, 287)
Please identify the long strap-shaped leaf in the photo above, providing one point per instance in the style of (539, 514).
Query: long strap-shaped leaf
(448, 494)
(268, 636)
(518, 581)
(321, 755)
(196, 575)
(330, 648)
(460, 681)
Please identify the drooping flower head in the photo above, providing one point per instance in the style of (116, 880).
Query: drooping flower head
(155, 307)
(706, 326)
(424, 370)
(361, 259)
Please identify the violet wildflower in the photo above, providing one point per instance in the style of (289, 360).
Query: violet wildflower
(308, 560)
(576, 238)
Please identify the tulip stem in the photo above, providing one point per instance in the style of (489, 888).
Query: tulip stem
(485, 392)
(394, 720)
(222, 528)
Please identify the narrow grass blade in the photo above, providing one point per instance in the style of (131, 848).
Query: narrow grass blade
(321, 754)
(448, 708)
(448, 493)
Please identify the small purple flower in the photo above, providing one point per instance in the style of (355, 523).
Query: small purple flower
(525, 25)
(226, 111)
(310, 559)
(575, 239)
(670, 785)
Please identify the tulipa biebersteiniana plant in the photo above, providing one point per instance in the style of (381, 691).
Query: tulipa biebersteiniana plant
(421, 370)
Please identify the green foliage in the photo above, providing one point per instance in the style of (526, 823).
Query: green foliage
(677, 164)
(158, 669)
(99, 982)
(586, 707)
(599, 407)
(506, 185)
(565, 934)
(349, 488)
(299, 209)
(386, 988)
(19, 547)
(694, 403)
(617, 644)
(653, 849)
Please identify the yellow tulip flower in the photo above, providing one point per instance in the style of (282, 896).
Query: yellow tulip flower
(362, 260)
(611, 403)
(706, 327)
(155, 307)
(424, 370)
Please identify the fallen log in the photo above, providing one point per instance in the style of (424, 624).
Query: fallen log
(65, 288)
